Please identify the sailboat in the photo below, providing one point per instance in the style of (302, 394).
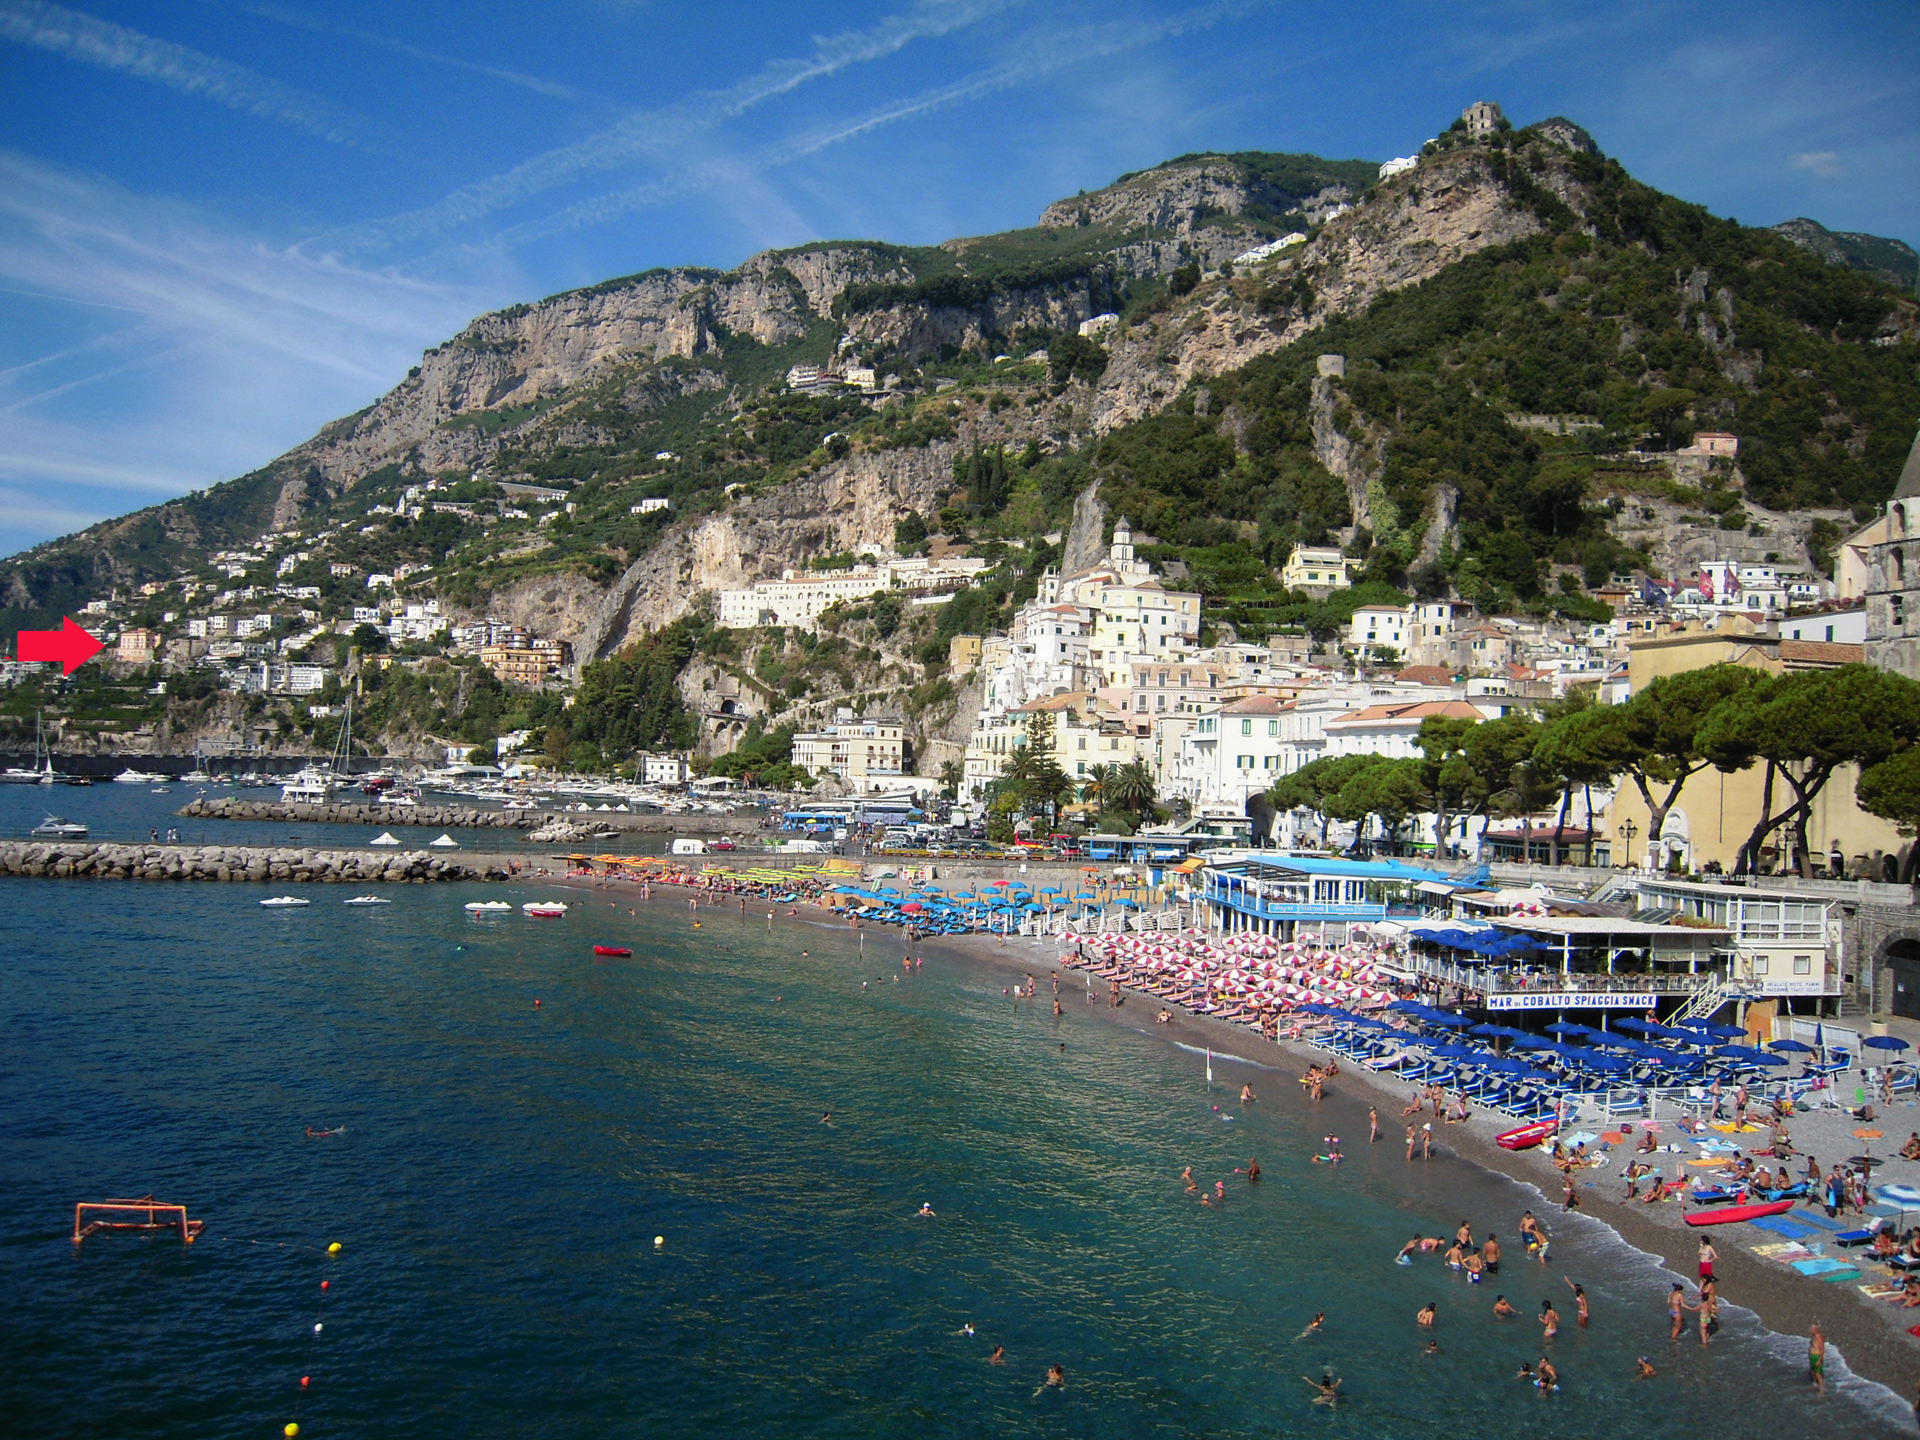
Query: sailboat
(315, 784)
(42, 771)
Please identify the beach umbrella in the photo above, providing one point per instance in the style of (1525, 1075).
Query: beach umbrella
(1505, 1065)
(1762, 1058)
(1740, 1052)
(1723, 1032)
(1634, 1022)
(1447, 1018)
(1532, 1043)
(1884, 1042)
(1793, 1046)
(1659, 1056)
(1567, 1027)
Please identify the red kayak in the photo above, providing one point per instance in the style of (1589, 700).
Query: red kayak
(1726, 1214)
(1527, 1136)
(617, 950)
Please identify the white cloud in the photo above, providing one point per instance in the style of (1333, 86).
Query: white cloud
(222, 349)
(1824, 163)
(1035, 55)
(191, 72)
(661, 131)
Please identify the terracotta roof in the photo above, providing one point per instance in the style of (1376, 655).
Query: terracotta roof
(1823, 652)
(1253, 705)
(1415, 711)
(1426, 675)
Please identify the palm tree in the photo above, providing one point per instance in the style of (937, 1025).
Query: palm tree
(1095, 782)
(1131, 788)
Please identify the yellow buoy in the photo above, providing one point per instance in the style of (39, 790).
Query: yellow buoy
(334, 1248)
(292, 1430)
(658, 1241)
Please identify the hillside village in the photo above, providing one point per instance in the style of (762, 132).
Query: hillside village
(908, 625)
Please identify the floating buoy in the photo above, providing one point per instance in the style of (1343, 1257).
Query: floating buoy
(325, 1283)
(305, 1380)
(316, 1327)
(658, 1241)
(334, 1248)
(292, 1430)
(536, 1004)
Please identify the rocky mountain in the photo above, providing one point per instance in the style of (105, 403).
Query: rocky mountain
(1522, 339)
(1894, 261)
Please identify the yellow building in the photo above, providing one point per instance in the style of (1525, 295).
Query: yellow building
(963, 652)
(1316, 567)
(1715, 813)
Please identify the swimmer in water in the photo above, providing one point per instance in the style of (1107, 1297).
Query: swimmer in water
(1253, 1169)
(1056, 1377)
(1643, 1369)
(1220, 1191)
(1502, 1308)
(1246, 1094)
(1313, 1326)
(1549, 1377)
(999, 1355)
(966, 1329)
(313, 1134)
(1405, 1257)
(827, 1119)
(1187, 1175)
(1328, 1387)
(926, 1209)
(1433, 1347)
(1526, 1372)
(1428, 1313)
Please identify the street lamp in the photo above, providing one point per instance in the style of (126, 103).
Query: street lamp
(1627, 831)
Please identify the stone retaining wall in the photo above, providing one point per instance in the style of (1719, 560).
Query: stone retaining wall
(440, 817)
(237, 862)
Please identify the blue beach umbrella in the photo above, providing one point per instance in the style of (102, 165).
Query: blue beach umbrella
(1795, 1047)
(1884, 1042)
(1447, 1018)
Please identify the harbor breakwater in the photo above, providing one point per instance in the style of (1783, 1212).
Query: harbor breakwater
(81, 859)
(447, 817)
(227, 807)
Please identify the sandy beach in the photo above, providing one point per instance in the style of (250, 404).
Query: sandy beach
(1869, 1335)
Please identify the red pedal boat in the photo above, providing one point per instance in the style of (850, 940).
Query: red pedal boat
(1726, 1214)
(620, 951)
(1527, 1136)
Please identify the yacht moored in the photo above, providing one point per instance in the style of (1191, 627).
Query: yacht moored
(54, 828)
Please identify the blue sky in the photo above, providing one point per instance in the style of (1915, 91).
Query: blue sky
(225, 222)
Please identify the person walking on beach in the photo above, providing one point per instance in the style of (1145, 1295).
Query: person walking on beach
(1817, 1357)
(1709, 1308)
(1426, 1141)
(1707, 1256)
(1373, 1124)
(1410, 1138)
(1569, 1199)
(1714, 1091)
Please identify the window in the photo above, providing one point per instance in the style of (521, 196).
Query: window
(1760, 964)
(1803, 964)
(1246, 727)
(1273, 727)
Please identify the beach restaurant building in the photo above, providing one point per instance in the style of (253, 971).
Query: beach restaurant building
(1576, 962)
(1264, 893)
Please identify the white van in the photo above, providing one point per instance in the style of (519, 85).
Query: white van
(689, 847)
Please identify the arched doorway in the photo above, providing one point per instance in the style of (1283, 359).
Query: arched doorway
(1903, 960)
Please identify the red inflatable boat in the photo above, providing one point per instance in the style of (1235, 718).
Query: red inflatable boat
(1726, 1214)
(1527, 1136)
(616, 950)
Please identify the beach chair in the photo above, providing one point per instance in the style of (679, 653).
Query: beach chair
(1615, 1105)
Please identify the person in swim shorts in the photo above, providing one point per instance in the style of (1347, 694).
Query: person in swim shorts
(1490, 1254)
(1817, 1357)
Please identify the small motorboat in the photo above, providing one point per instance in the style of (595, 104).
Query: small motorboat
(366, 900)
(544, 909)
(487, 907)
(285, 902)
(1527, 1136)
(1727, 1214)
(619, 952)
(54, 828)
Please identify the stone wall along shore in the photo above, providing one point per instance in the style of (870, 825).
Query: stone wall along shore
(440, 817)
(82, 859)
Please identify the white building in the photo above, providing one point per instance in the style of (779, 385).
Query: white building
(1373, 626)
(868, 753)
(649, 505)
(1098, 325)
(663, 770)
(798, 597)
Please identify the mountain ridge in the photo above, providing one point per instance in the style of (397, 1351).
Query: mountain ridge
(588, 390)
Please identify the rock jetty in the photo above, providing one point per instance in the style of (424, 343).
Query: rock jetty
(238, 862)
(440, 817)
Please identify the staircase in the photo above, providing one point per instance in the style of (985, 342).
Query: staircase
(1707, 1002)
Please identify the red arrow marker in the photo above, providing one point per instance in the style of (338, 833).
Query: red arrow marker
(69, 646)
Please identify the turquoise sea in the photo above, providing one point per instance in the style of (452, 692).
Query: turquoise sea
(505, 1169)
